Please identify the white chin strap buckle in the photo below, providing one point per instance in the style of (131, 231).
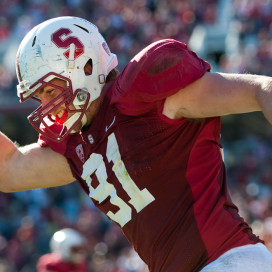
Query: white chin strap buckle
(102, 79)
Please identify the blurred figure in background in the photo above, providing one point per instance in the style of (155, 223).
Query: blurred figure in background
(68, 253)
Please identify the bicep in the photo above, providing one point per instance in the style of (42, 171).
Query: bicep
(32, 167)
(215, 94)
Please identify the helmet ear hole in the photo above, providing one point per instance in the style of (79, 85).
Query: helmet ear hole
(88, 68)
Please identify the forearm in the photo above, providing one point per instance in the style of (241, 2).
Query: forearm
(8, 149)
(264, 97)
(250, 93)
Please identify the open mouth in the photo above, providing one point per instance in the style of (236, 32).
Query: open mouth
(61, 117)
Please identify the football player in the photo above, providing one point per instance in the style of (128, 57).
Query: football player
(143, 144)
(68, 253)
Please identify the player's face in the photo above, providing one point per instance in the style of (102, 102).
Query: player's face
(61, 114)
(49, 92)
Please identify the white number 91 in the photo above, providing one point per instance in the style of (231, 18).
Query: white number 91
(139, 199)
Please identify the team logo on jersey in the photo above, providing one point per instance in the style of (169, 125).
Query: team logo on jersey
(90, 138)
(80, 152)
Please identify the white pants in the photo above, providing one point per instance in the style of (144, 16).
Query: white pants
(249, 258)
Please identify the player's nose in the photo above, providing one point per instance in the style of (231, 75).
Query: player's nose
(44, 100)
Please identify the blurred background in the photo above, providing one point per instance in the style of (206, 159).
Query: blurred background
(233, 35)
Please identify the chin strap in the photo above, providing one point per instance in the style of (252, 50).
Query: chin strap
(101, 75)
(73, 119)
(83, 120)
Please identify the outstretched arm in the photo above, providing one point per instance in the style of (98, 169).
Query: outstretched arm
(218, 94)
(31, 167)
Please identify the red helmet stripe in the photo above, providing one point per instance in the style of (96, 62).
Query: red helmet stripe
(17, 65)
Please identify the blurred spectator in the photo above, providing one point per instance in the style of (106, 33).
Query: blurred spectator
(68, 253)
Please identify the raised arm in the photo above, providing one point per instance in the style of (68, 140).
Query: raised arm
(31, 167)
(218, 94)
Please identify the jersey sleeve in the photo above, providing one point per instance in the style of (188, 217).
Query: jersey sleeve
(159, 71)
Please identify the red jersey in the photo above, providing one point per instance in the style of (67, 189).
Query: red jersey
(54, 263)
(163, 181)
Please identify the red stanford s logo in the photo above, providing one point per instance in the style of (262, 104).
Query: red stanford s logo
(62, 39)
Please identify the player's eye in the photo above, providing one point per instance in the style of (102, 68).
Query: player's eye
(50, 91)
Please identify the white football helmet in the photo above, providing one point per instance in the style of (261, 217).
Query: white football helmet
(60, 48)
(69, 244)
